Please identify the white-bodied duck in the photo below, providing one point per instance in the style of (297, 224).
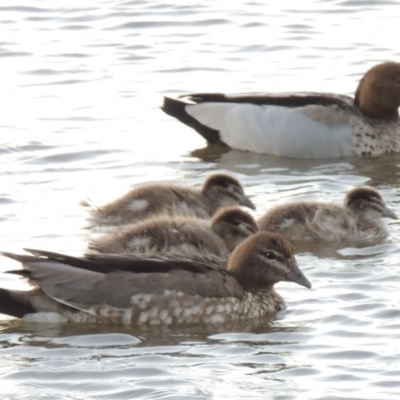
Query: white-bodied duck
(304, 125)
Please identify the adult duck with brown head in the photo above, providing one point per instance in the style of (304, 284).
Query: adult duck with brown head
(133, 290)
(303, 125)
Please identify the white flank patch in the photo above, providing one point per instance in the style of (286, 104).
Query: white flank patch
(138, 243)
(138, 205)
(311, 131)
(287, 223)
(43, 317)
(183, 248)
(183, 206)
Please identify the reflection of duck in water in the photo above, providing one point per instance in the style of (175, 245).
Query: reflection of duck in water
(127, 290)
(219, 190)
(358, 219)
(304, 125)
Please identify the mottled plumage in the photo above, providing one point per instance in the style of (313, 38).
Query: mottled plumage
(219, 190)
(358, 219)
(181, 236)
(131, 290)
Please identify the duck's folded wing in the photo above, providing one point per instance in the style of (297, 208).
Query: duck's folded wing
(291, 100)
(82, 288)
(124, 262)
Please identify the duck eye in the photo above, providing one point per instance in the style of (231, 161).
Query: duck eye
(362, 206)
(270, 255)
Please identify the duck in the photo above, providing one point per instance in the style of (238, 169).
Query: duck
(301, 125)
(126, 289)
(181, 236)
(359, 219)
(219, 190)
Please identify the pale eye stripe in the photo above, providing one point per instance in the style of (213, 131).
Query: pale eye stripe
(234, 195)
(376, 204)
(280, 266)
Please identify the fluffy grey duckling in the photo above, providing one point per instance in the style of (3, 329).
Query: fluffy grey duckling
(183, 236)
(219, 190)
(360, 218)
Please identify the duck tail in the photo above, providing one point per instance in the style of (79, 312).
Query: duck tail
(90, 205)
(85, 203)
(177, 109)
(14, 304)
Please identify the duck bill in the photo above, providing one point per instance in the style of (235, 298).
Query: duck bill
(296, 276)
(388, 213)
(245, 201)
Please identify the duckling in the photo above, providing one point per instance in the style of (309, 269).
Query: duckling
(219, 190)
(359, 218)
(301, 125)
(185, 236)
(127, 290)
(233, 225)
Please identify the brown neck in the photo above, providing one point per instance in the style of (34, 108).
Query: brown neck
(373, 104)
(376, 110)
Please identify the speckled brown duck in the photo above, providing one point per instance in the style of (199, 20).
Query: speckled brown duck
(129, 290)
(360, 218)
(219, 190)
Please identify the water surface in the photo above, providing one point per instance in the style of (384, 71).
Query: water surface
(81, 86)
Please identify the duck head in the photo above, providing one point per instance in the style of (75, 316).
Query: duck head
(234, 225)
(264, 259)
(367, 203)
(224, 190)
(378, 93)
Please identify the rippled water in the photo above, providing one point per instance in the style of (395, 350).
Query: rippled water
(81, 85)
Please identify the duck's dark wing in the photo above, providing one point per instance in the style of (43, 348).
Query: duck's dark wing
(290, 100)
(104, 279)
(105, 263)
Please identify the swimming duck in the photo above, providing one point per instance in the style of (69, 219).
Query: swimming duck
(219, 190)
(358, 219)
(179, 235)
(304, 125)
(129, 290)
